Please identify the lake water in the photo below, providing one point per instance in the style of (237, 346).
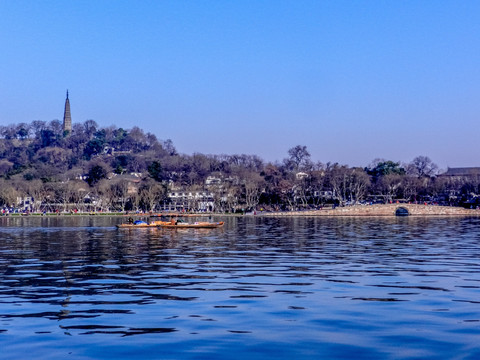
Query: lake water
(259, 288)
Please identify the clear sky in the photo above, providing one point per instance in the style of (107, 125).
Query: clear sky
(351, 80)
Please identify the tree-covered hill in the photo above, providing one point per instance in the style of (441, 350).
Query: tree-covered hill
(127, 169)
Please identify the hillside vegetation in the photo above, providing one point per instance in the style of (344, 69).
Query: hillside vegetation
(115, 169)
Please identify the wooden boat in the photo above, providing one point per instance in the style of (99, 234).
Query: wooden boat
(169, 224)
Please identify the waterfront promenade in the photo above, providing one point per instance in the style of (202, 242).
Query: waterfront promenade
(383, 210)
(355, 210)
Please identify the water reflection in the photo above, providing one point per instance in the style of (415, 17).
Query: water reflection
(262, 288)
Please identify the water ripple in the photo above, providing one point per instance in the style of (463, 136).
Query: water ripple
(259, 288)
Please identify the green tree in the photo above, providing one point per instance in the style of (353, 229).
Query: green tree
(47, 138)
(94, 147)
(156, 171)
(96, 173)
(381, 168)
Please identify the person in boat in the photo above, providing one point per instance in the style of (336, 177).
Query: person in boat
(130, 220)
(173, 221)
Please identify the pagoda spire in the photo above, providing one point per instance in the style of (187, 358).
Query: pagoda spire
(67, 117)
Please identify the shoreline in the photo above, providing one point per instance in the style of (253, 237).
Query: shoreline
(383, 210)
(355, 210)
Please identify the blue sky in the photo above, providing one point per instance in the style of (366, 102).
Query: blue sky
(351, 80)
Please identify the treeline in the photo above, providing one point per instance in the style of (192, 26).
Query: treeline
(95, 165)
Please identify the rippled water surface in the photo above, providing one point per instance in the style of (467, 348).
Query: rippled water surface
(260, 288)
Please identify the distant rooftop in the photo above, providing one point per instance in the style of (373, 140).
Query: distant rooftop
(464, 171)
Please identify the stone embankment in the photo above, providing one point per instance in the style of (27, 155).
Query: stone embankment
(383, 210)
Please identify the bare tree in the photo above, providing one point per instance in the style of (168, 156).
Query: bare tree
(107, 195)
(422, 166)
(119, 191)
(90, 127)
(348, 184)
(317, 184)
(232, 195)
(56, 126)
(169, 147)
(298, 156)
(253, 186)
(38, 126)
(301, 191)
(9, 132)
(286, 192)
(24, 131)
(134, 199)
(8, 194)
(389, 185)
(359, 184)
(338, 181)
(411, 186)
(152, 193)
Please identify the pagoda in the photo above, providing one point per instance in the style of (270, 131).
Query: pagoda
(67, 117)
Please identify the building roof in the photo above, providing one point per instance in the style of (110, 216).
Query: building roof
(465, 171)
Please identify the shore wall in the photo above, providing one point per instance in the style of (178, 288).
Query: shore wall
(383, 210)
